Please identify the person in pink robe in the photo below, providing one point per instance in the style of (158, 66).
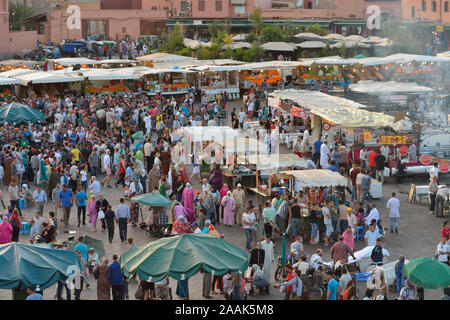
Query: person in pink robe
(5, 231)
(93, 213)
(188, 202)
(228, 204)
(223, 192)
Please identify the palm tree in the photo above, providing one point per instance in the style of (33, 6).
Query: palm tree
(19, 11)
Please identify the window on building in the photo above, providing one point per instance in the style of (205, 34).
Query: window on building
(154, 8)
(201, 5)
(184, 5)
(166, 8)
(433, 6)
(218, 5)
(413, 12)
(239, 10)
(424, 5)
(446, 6)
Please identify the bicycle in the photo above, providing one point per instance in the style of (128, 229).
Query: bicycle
(280, 273)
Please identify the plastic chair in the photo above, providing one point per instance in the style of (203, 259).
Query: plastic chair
(25, 228)
(22, 203)
(359, 232)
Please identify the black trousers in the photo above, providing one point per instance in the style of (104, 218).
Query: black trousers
(432, 201)
(117, 292)
(123, 228)
(78, 291)
(110, 231)
(121, 179)
(81, 210)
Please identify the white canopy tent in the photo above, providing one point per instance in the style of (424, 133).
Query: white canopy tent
(110, 74)
(279, 46)
(8, 81)
(312, 45)
(163, 57)
(350, 44)
(73, 61)
(240, 45)
(15, 72)
(336, 110)
(308, 36)
(274, 161)
(379, 87)
(41, 77)
(334, 37)
(315, 178)
(191, 44)
(161, 71)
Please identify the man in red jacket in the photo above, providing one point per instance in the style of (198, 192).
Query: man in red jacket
(372, 164)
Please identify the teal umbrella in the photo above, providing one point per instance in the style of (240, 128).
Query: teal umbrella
(183, 256)
(427, 272)
(138, 135)
(26, 265)
(360, 56)
(16, 113)
(152, 199)
(97, 245)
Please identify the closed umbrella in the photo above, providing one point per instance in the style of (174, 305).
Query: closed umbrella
(181, 257)
(427, 272)
(26, 265)
(17, 113)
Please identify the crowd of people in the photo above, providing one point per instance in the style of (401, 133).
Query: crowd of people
(55, 166)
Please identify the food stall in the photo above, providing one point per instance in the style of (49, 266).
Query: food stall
(7, 87)
(217, 79)
(166, 81)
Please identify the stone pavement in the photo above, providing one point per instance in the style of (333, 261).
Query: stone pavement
(418, 236)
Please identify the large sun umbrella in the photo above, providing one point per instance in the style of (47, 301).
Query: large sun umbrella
(138, 135)
(152, 199)
(16, 113)
(27, 265)
(97, 245)
(183, 256)
(427, 272)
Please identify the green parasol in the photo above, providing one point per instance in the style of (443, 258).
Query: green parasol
(183, 256)
(17, 113)
(138, 135)
(152, 199)
(427, 272)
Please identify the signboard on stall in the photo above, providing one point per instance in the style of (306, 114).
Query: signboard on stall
(440, 28)
(444, 167)
(403, 150)
(392, 139)
(367, 136)
(425, 159)
(326, 126)
(295, 111)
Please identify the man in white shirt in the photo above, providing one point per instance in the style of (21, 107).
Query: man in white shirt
(324, 155)
(248, 220)
(241, 118)
(94, 186)
(371, 236)
(148, 123)
(316, 259)
(373, 215)
(443, 250)
(434, 172)
(441, 196)
(297, 246)
(385, 151)
(363, 157)
(393, 205)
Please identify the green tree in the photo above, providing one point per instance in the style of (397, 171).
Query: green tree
(251, 37)
(291, 31)
(343, 52)
(19, 11)
(326, 51)
(256, 18)
(216, 30)
(254, 53)
(316, 28)
(173, 42)
(272, 33)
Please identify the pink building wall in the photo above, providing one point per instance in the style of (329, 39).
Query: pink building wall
(439, 16)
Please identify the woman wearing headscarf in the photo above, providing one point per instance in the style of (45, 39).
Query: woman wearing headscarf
(259, 281)
(42, 174)
(52, 181)
(7, 168)
(399, 273)
(228, 204)
(180, 226)
(188, 202)
(153, 178)
(93, 213)
(216, 177)
(103, 286)
(5, 231)
(14, 220)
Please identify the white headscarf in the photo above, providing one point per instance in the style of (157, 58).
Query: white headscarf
(258, 272)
